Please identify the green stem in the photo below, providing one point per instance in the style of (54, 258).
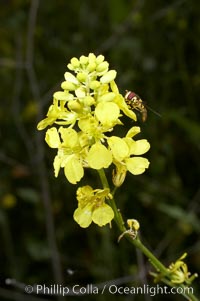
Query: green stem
(138, 244)
(118, 217)
(153, 260)
(103, 178)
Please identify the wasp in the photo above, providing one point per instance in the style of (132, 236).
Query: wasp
(134, 102)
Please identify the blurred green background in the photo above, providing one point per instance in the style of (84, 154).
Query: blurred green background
(155, 48)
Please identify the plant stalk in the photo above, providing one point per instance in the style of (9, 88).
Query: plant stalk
(138, 244)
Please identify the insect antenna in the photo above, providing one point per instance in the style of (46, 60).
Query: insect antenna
(150, 109)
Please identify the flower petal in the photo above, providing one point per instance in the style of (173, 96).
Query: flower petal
(69, 137)
(73, 170)
(133, 131)
(83, 216)
(99, 156)
(45, 122)
(52, 138)
(107, 113)
(108, 77)
(103, 215)
(118, 147)
(56, 165)
(139, 147)
(84, 195)
(69, 77)
(137, 165)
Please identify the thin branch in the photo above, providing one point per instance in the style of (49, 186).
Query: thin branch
(10, 63)
(8, 160)
(18, 83)
(41, 168)
(120, 29)
(124, 26)
(142, 271)
(163, 12)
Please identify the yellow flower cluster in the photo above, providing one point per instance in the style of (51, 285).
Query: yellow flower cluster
(85, 113)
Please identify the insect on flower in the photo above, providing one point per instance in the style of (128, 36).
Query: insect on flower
(134, 102)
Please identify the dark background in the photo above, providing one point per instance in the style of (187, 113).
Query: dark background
(155, 48)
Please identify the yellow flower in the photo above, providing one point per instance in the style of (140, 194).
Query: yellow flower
(122, 150)
(57, 112)
(107, 113)
(69, 152)
(92, 207)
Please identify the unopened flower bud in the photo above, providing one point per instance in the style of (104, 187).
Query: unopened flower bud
(95, 84)
(61, 95)
(92, 57)
(99, 59)
(71, 78)
(68, 86)
(91, 67)
(75, 62)
(107, 97)
(118, 177)
(108, 77)
(74, 105)
(81, 77)
(83, 60)
(88, 101)
(102, 67)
